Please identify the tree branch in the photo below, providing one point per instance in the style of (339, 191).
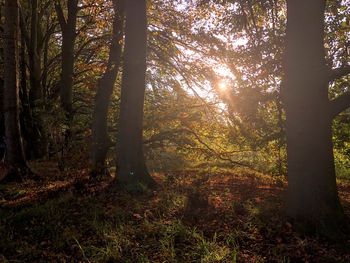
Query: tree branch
(339, 72)
(60, 15)
(220, 155)
(340, 104)
(24, 31)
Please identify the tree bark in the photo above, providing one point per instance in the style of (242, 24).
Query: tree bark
(35, 93)
(2, 120)
(15, 154)
(36, 137)
(312, 189)
(2, 125)
(26, 119)
(131, 162)
(68, 27)
(100, 140)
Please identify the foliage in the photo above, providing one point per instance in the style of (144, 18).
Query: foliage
(214, 126)
(214, 75)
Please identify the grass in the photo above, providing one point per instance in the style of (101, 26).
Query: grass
(240, 221)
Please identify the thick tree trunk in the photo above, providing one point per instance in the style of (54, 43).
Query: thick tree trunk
(100, 140)
(312, 190)
(131, 163)
(15, 154)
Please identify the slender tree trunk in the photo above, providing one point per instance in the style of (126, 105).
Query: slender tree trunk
(66, 83)
(15, 154)
(312, 190)
(35, 93)
(2, 120)
(25, 113)
(45, 64)
(131, 162)
(68, 27)
(37, 144)
(2, 124)
(100, 138)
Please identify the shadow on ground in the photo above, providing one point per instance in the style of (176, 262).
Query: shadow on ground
(192, 217)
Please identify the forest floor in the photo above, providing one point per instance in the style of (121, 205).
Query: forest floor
(225, 217)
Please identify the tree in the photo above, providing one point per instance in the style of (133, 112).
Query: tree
(36, 136)
(105, 85)
(312, 189)
(68, 27)
(131, 161)
(15, 154)
(2, 124)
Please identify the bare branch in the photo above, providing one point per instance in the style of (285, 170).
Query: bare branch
(60, 15)
(220, 155)
(337, 73)
(340, 104)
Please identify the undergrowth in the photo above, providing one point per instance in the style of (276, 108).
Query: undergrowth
(239, 221)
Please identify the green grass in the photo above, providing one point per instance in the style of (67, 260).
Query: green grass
(115, 226)
(89, 231)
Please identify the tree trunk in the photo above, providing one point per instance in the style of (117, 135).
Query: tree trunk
(100, 139)
(35, 93)
(2, 120)
(312, 189)
(68, 27)
(15, 154)
(36, 141)
(2, 127)
(131, 162)
(25, 113)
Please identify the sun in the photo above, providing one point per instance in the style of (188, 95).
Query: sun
(222, 85)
